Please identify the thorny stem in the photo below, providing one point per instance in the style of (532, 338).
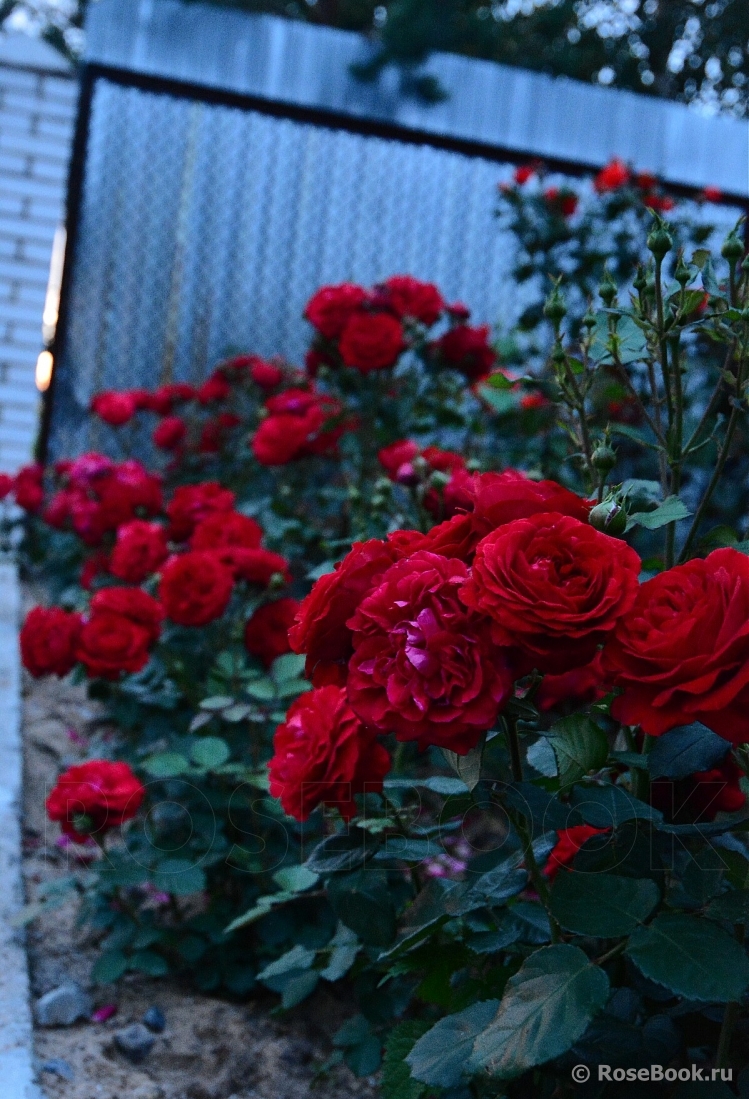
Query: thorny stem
(662, 343)
(713, 403)
(580, 409)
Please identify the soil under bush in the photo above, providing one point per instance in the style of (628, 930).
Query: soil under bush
(210, 1049)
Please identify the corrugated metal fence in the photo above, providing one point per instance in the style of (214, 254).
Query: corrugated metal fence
(228, 164)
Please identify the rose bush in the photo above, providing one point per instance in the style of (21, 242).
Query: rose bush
(443, 704)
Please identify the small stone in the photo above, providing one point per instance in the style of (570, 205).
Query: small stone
(155, 1020)
(63, 1006)
(59, 1067)
(135, 1042)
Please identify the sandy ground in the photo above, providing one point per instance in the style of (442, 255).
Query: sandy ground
(210, 1049)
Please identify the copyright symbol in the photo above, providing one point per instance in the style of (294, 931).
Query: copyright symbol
(581, 1074)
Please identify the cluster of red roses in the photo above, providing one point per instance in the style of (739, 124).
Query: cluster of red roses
(199, 549)
(612, 177)
(368, 330)
(426, 636)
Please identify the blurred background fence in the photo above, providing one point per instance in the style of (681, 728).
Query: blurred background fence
(227, 164)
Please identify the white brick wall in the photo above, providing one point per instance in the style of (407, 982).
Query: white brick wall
(37, 111)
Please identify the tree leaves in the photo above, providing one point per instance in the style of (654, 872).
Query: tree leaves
(604, 905)
(547, 1005)
(691, 956)
(467, 767)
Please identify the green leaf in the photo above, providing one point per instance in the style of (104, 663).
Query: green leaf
(686, 749)
(263, 690)
(579, 745)
(546, 1007)
(288, 666)
(180, 877)
(342, 851)
(239, 712)
(299, 988)
(166, 765)
(365, 1058)
(541, 758)
(295, 879)
(733, 906)
(631, 342)
(216, 702)
(396, 1081)
(604, 905)
(672, 510)
(109, 967)
(441, 1055)
(610, 806)
(299, 957)
(362, 902)
(345, 946)
(691, 956)
(210, 752)
(426, 913)
(148, 961)
(467, 767)
(438, 784)
(501, 401)
(260, 909)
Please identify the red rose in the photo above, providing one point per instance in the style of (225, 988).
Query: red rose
(6, 485)
(455, 537)
(554, 588)
(371, 341)
(94, 565)
(701, 796)
(396, 459)
(28, 487)
(409, 297)
(456, 496)
(330, 308)
(423, 667)
(467, 350)
(323, 755)
(565, 202)
(195, 588)
(502, 497)
(114, 408)
(569, 842)
(712, 194)
(132, 603)
(170, 433)
(294, 401)
(661, 203)
(266, 375)
(163, 400)
(214, 434)
(579, 686)
(321, 631)
(266, 634)
(300, 424)
(123, 624)
(682, 652)
(226, 528)
(94, 796)
(612, 177)
(48, 638)
(523, 173)
(191, 503)
(129, 491)
(215, 388)
(256, 566)
(139, 551)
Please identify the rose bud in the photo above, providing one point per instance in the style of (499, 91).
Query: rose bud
(609, 517)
